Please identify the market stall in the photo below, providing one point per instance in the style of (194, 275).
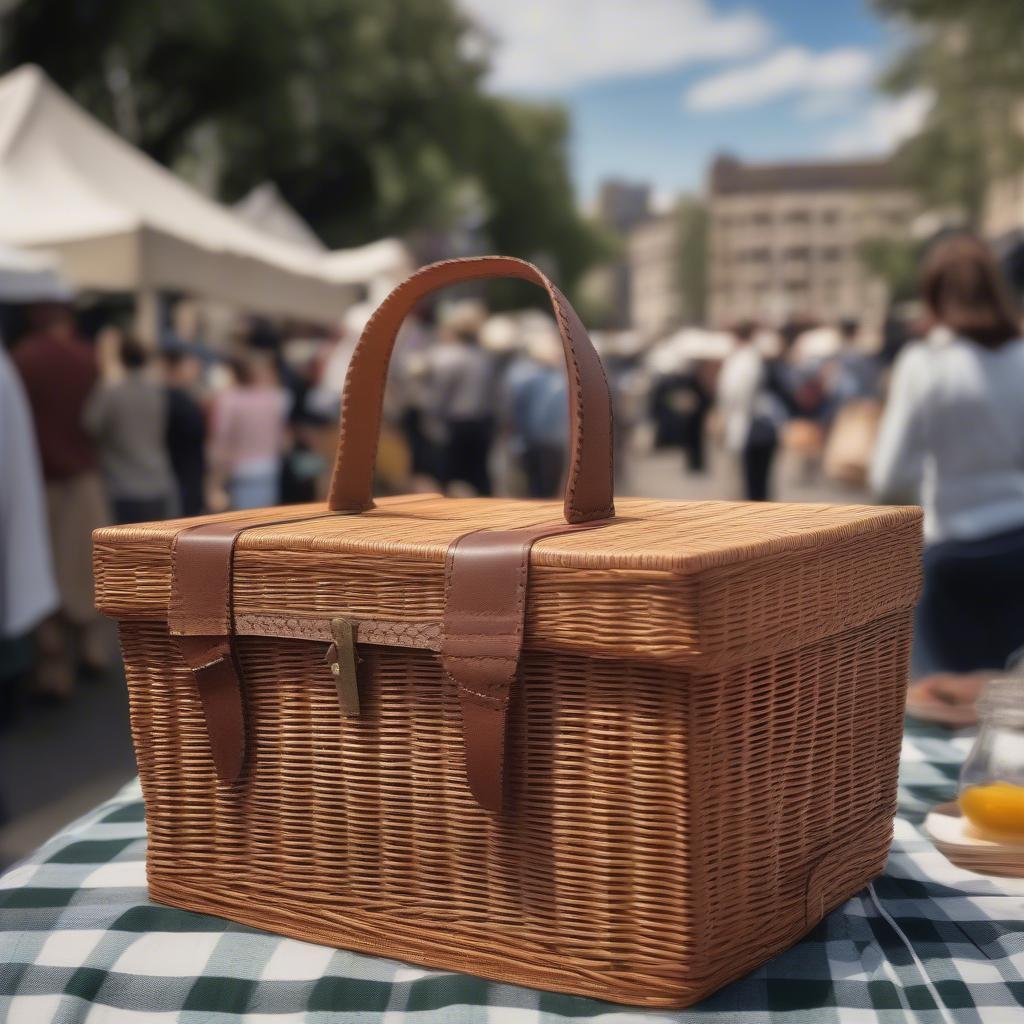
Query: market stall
(121, 222)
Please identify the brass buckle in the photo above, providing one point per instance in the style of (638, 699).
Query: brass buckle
(341, 658)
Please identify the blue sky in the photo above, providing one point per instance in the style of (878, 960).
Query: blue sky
(657, 87)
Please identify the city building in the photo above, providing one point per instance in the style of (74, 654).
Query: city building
(655, 292)
(621, 205)
(785, 240)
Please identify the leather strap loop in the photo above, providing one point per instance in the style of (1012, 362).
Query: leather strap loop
(589, 488)
(200, 615)
(486, 580)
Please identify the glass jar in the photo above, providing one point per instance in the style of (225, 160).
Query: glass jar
(992, 778)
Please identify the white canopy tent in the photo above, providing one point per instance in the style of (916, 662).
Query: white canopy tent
(121, 222)
(31, 277)
(687, 345)
(817, 344)
(378, 266)
(265, 208)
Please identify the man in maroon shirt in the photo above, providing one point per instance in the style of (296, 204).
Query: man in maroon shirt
(59, 372)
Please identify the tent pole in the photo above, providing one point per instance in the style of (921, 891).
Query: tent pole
(147, 316)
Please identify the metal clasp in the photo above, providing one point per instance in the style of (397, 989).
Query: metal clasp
(341, 658)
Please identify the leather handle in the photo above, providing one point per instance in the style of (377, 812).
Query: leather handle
(589, 488)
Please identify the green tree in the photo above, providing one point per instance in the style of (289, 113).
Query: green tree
(154, 72)
(369, 115)
(693, 249)
(894, 261)
(968, 58)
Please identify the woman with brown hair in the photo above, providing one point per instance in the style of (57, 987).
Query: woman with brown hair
(953, 437)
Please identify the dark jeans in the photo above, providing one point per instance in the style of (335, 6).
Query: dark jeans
(421, 450)
(467, 452)
(543, 465)
(139, 510)
(757, 467)
(190, 494)
(693, 441)
(971, 613)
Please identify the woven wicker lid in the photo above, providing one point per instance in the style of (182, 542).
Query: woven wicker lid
(672, 580)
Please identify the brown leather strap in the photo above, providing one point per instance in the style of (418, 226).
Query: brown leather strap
(200, 614)
(588, 493)
(486, 578)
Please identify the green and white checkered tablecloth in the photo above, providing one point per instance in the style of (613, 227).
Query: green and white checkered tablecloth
(80, 942)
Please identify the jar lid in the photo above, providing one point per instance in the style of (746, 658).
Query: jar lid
(1002, 701)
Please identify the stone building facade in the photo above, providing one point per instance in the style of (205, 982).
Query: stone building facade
(785, 240)
(655, 295)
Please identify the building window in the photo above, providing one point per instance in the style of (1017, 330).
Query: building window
(798, 252)
(831, 254)
(830, 216)
(798, 217)
(762, 219)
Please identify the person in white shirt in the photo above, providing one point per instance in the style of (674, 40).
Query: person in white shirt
(752, 412)
(952, 436)
(28, 589)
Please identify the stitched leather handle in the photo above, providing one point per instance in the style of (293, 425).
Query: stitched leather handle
(589, 488)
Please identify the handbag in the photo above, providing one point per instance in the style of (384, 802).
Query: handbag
(851, 441)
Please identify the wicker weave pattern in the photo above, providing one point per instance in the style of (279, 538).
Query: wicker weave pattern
(702, 756)
(350, 830)
(675, 598)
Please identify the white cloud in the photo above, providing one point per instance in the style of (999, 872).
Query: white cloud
(790, 71)
(828, 104)
(547, 45)
(883, 126)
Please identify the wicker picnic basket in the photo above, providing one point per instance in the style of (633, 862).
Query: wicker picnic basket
(628, 753)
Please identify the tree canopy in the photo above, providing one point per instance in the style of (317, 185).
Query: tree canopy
(369, 115)
(968, 58)
(693, 247)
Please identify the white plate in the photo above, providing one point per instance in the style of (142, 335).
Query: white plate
(954, 837)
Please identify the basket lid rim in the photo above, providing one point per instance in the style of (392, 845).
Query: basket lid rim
(680, 537)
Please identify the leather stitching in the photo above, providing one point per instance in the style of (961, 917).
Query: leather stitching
(394, 302)
(577, 448)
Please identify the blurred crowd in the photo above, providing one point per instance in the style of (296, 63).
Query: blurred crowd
(948, 435)
(108, 430)
(104, 429)
(815, 389)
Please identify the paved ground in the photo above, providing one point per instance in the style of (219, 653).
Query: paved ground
(663, 475)
(56, 763)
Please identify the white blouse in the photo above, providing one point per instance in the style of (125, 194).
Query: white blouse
(28, 591)
(953, 436)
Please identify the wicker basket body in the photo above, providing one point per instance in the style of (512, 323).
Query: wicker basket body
(702, 747)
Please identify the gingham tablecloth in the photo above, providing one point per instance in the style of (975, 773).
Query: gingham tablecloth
(79, 942)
